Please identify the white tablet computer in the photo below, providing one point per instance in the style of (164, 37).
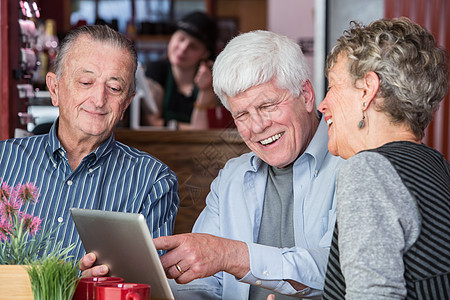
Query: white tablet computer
(123, 242)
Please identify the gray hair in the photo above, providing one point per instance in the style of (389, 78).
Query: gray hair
(412, 68)
(257, 57)
(100, 33)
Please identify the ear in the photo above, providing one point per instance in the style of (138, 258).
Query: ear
(52, 84)
(126, 104)
(370, 88)
(308, 94)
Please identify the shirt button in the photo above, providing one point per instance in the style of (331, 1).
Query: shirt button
(316, 172)
(266, 273)
(91, 170)
(258, 282)
(60, 219)
(69, 182)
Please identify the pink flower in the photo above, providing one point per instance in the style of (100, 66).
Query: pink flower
(27, 192)
(31, 223)
(5, 192)
(11, 201)
(9, 208)
(5, 228)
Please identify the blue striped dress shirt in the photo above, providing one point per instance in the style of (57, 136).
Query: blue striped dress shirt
(114, 177)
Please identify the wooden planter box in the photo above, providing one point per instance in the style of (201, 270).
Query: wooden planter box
(14, 283)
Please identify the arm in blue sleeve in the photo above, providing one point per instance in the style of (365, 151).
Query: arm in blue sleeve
(164, 200)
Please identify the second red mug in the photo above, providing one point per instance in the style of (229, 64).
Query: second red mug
(122, 291)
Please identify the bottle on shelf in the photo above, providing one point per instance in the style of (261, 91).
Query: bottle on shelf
(46, 49)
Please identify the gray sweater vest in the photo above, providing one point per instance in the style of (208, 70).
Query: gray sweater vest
(426, 174)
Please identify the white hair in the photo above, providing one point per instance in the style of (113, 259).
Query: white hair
(257, 57)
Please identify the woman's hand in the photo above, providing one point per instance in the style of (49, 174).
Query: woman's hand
(203, 78)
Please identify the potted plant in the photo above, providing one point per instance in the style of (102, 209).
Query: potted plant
(23, 242)
(54, 276)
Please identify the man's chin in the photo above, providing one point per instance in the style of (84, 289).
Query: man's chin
(277, 162)
(96, 130)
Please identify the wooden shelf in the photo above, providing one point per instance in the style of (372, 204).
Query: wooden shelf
(152, 38)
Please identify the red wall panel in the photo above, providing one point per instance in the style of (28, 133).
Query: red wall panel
(433, 15)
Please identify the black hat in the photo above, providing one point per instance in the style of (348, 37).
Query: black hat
(201, 26)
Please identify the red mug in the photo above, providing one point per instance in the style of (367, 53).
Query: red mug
(85, 288)
(122, 291)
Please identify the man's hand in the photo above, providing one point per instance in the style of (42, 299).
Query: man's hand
(85, 266)
(198, 255)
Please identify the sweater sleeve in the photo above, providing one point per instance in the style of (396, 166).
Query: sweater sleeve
(378, 222)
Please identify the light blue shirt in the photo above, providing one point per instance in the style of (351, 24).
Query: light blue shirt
(234, 210)
(113, 177)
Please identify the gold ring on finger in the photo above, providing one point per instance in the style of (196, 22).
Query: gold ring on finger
(179, 268)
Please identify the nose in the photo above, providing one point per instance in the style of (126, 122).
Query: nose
(183, 46)
(259, 122)
(99, 95)
(323, 105)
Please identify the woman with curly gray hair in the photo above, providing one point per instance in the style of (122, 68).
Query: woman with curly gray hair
(391, 239)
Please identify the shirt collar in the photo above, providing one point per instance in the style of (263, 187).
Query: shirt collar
(105, 148)
(53, 141)
(55, 145)
(318, 147)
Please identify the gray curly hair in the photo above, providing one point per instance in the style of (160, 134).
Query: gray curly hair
(412, 68)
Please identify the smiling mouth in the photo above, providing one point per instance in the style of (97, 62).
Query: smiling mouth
(95, 112)
(271, 139)
(329, 122)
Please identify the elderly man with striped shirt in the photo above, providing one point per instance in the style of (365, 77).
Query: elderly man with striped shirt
(78, 163)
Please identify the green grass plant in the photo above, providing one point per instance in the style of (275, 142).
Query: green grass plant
(54, 277)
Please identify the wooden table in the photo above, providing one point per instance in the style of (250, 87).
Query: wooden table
(195, 156)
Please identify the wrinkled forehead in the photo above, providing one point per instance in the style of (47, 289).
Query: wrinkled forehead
(87, 49)
(335, 58)
(255, 96)
(336, 53)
